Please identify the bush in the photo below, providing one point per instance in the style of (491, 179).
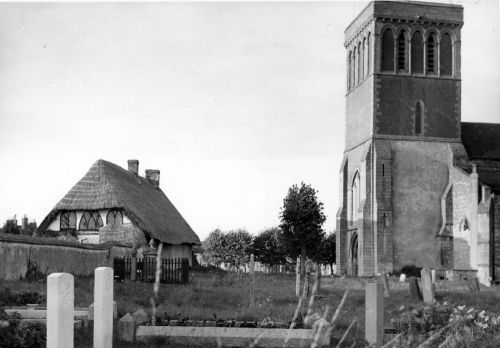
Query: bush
(411, 271)
(9, 298)
(14, 334)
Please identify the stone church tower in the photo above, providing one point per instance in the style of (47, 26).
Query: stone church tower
(406, 180)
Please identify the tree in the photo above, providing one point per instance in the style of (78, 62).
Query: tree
(214, 246)
(232, 247)
(268, 247)
(327, 251)
(302, 218)
(10, 226)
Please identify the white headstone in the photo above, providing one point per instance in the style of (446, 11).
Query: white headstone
(60, 310)
(433, 276)
(103, 307)
(402, 278)
(374, 315)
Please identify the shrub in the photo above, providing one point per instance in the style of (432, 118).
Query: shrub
(9, 298)
(15, 334)
(411, 271)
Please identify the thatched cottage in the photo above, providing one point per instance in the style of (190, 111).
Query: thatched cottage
(111, 203)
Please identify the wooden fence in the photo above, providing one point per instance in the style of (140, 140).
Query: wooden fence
(172, 270)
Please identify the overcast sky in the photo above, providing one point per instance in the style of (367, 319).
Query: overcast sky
(232, 102)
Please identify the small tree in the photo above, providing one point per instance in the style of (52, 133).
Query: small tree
(214, 246)
(326, 252)
(237, 247)
(302, 218)
(268, 247)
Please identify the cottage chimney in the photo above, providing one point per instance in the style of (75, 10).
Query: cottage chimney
(153, 176)
(133, 166)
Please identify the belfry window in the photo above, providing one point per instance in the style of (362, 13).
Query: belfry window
(418, 118)
(417, 53)
(445, 56)
(355, 197)
(360, 62)
(431, 54)
(367, 59)
(387, 51)
(90, 221)
(349, 70)
(402, 51)
(68, 220)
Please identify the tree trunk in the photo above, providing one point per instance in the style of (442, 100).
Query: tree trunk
(302, 266)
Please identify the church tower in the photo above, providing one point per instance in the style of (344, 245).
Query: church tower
(403, 126)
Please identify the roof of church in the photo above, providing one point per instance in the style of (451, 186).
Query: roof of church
(107, 185)
(481, 140)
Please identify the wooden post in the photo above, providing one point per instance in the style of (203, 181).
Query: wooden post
(297, 279)
(374, 316)
(60, 310)
(252, 275)
(133, 265)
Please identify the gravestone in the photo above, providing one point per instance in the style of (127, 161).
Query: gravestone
(140, 316)
(402, 278)
(473, 284)
(387, 290)
(126, 328)
(427, 286)
(414, 288)
(374, 316)
(91, 311)
(103, 307)
(60, 310)
(433, 276)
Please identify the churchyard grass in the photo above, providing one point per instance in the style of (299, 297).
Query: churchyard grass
(210, 296)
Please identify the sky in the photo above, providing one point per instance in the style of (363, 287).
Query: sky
(233, 102)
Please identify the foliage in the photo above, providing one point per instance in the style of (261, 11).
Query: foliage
(302, 218)
(16, 335)
(268, 247)
(327, 251)
(232, 247)
(10, 226)
(411, 271)
(7, 297)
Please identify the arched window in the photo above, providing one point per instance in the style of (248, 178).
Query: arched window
(419, 111)
(464, 224)
(367, 57)
(114, 217)
(417, 53)
(360, 62)
(431, 54)
(355, 67)
(68, 220)
(387, 51)
(402, 51)
(90, 221)
(355, 197)
(349, 69)
(445, 56)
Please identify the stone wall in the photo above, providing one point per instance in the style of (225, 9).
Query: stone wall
(51, 255)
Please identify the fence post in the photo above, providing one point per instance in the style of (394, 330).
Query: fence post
(60, 310)
(185, 270)
(252, 274)
(133, 265)
(103, 307)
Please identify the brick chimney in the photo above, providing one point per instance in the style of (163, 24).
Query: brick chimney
(133, 166)
(153, 176)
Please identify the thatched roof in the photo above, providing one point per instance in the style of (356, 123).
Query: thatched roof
(107, 185)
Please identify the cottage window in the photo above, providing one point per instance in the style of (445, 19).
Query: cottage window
(387, 51)
(114, 217)
(417, 53)
(68, 220)
(90, 221)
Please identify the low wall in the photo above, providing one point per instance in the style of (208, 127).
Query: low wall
(18, 252)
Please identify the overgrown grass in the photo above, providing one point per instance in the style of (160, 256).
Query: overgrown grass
(212, 295)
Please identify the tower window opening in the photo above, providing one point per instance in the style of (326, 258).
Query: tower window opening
(387, 51)
(431, 57)
(402, 51)
(445, 56)
(417, 53)
(418, 118)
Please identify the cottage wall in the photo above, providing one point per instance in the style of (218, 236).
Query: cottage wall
(51, 255)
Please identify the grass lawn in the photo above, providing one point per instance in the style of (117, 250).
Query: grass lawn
(215, 295)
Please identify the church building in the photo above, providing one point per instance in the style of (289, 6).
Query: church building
(417, 185)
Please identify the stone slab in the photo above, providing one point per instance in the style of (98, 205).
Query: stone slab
(234, 337)
(427, 286)
(414, 288)
(42, 314)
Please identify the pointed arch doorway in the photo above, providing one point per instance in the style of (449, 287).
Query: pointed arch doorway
(354, 254)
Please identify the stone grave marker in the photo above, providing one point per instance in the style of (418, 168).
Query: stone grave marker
(387, 289)
(140, 316)
(374, 316)
(473, 284)
(402, 278)
(126, 328)
(60, 310)
(414, 288)
(103, 307)
(427, 286)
